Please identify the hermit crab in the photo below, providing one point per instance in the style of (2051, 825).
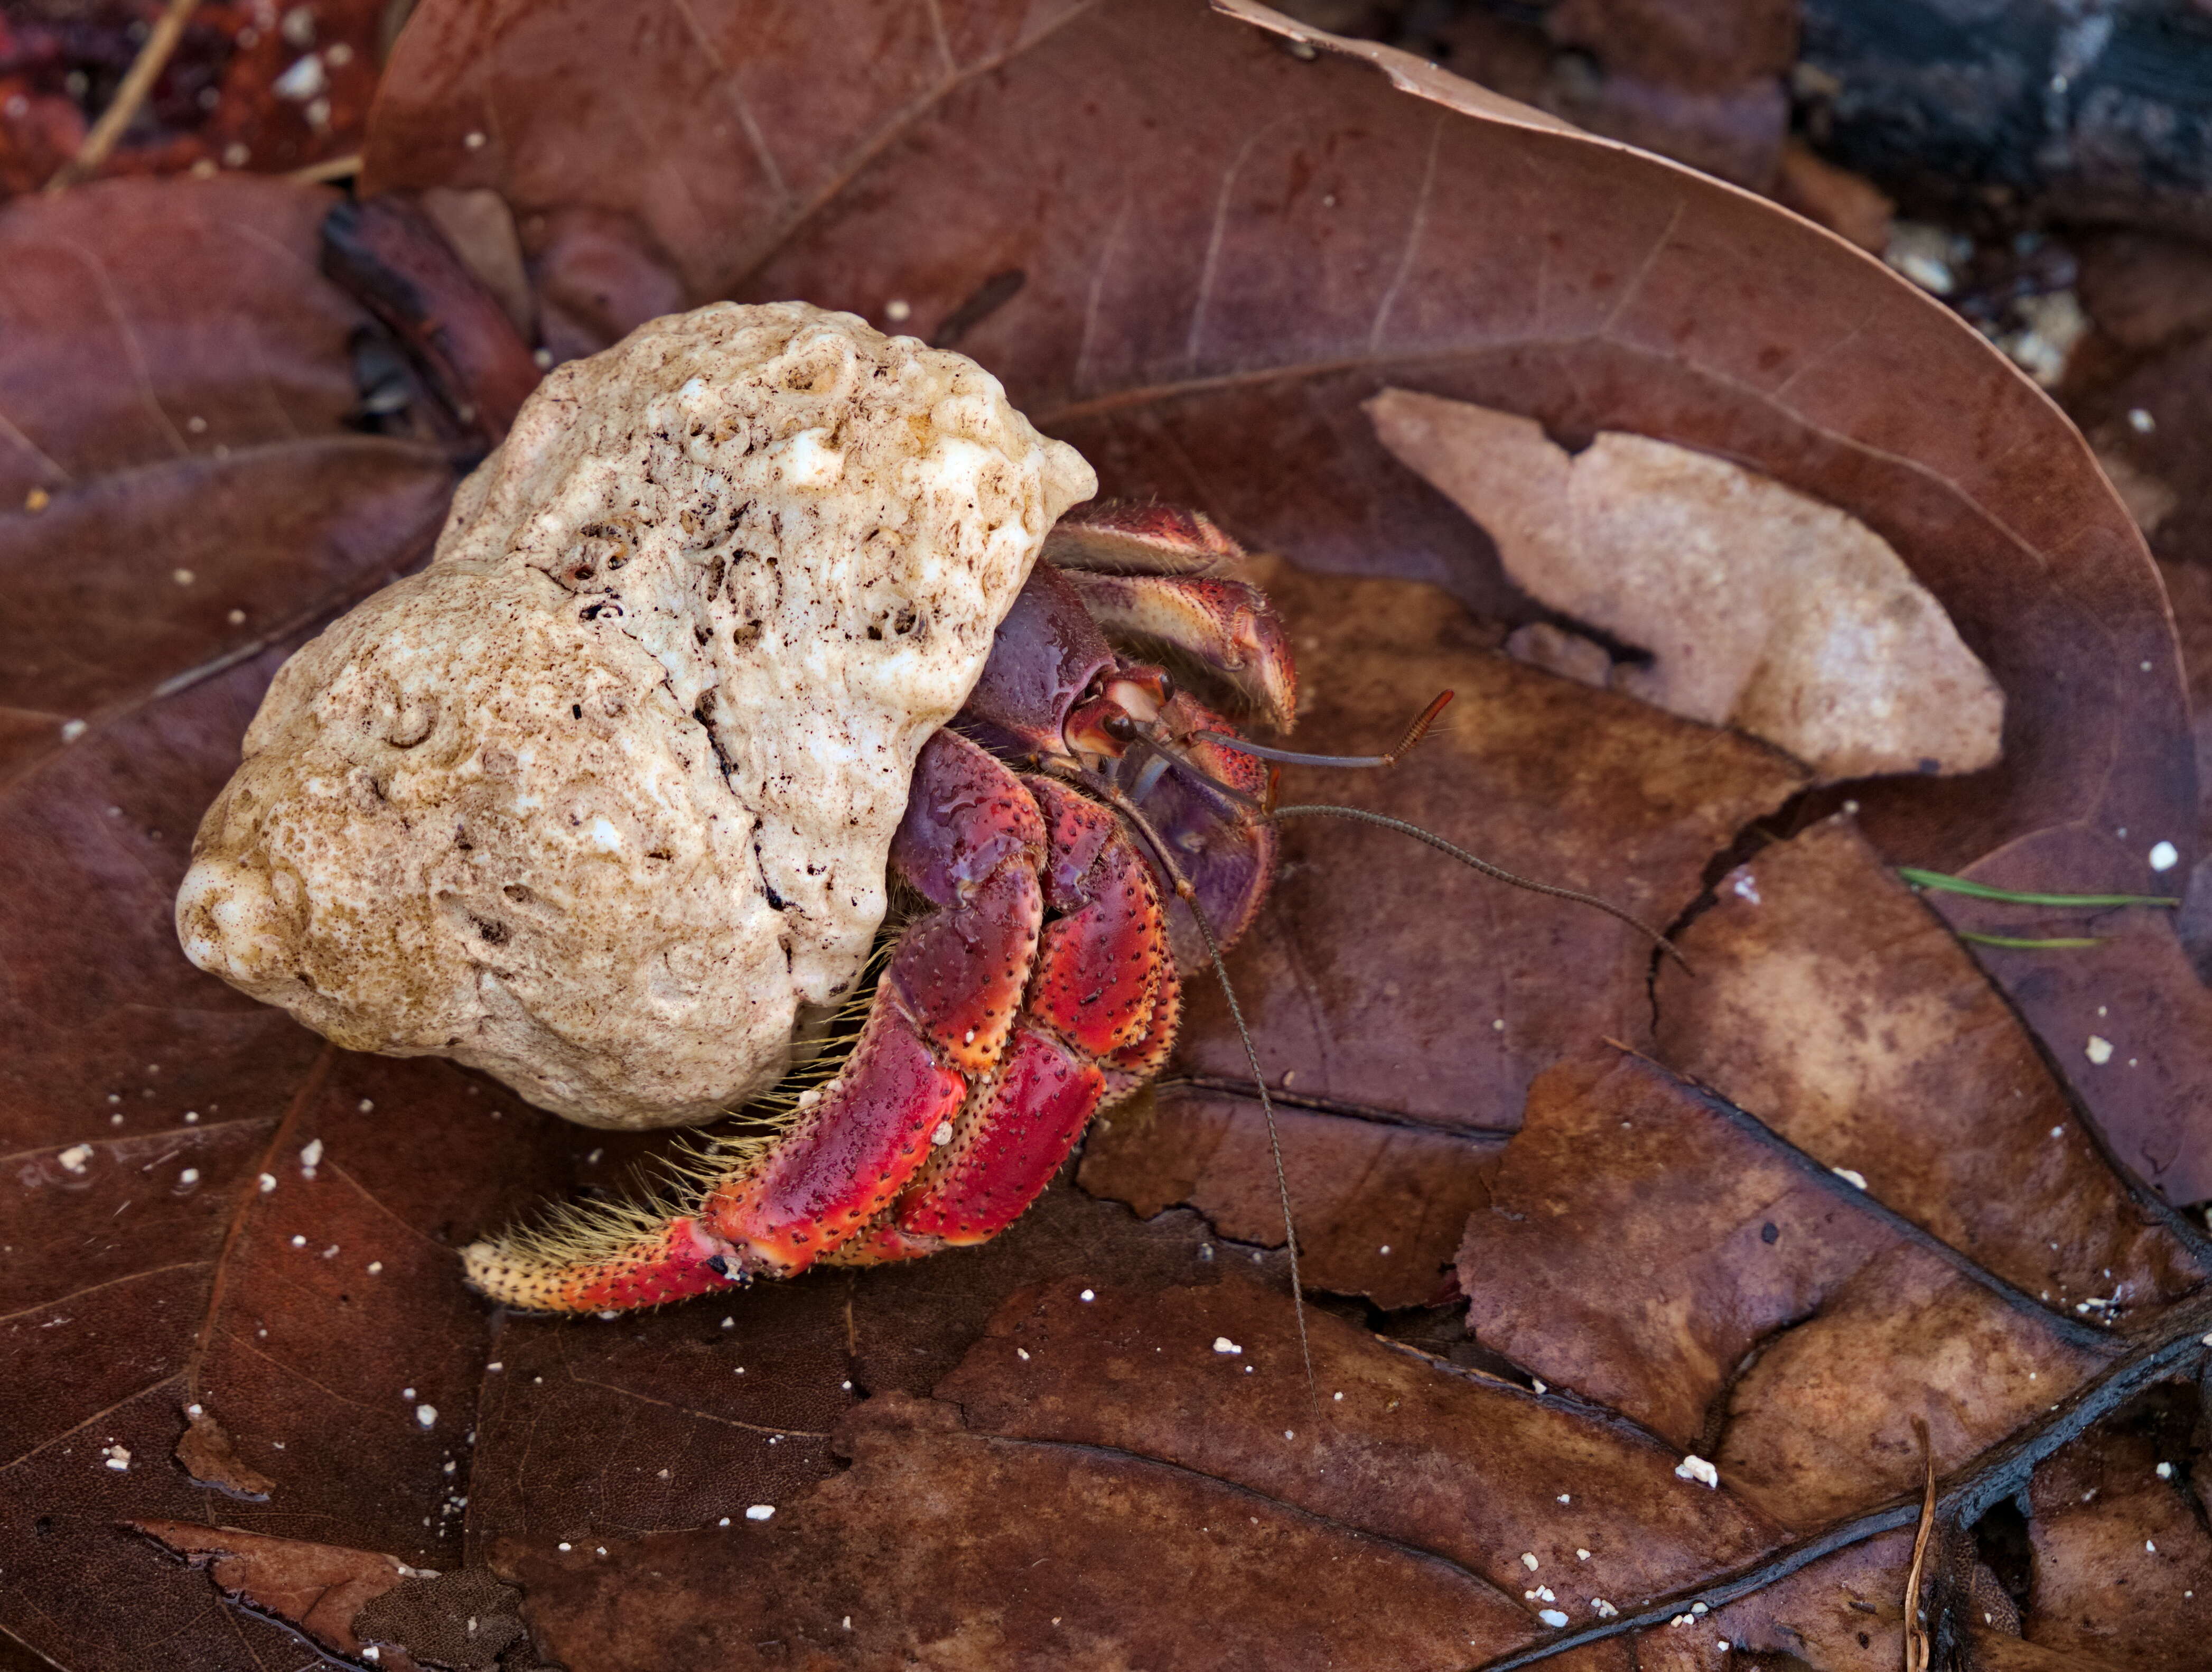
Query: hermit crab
(769, 733)
(742, 631)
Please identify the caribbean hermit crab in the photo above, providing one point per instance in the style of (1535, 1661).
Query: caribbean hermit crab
(734, 626)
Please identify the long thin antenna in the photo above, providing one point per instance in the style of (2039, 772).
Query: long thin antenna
(1188, 896)
(1327, 810)
(1414, 733)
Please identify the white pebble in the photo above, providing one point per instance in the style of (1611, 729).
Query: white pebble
(2165, 857)
(310, 1157)
(72, 730)
(1087, 1295)
(1553, 1617)
(1603, 1609)
(760, 1511)
(1857, 1180)
(190, 1176)
(2166, 1471)
(427, 1415)
(268, 1182)
(118, 1456)
(2099, 1050)
(1694, 1468)
(367, 1106)
(298, 1242)
(73, 1158)
(1582, 1555)
(1223, 1344)
(375, 1266)
(943, 1135)
(1529, 1560)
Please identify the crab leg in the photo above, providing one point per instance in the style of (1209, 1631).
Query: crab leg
(972, 842)
(1096, 1023)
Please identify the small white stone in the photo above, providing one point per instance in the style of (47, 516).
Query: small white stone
(1603, 1609)
(375, 1266)
(118, 1456)
(1223, 1344)
(268, 1182)
(427, 1415)
(1529, 1560)
(1022, 1354)
(724, 1522)
(1582, 1555)
(1694, 1468)
(72, 730)
(190, 1176)
(2165, 857)
(298, 1242)
(182, 577)
(1552, 1617)
(310, 1157)
(306, 79)
(474, 140)
(759, 1511)
(2141, 421)
(1852, 1177)
(2166, 1471)
(943, 1135)
(2099, 1050)
(898, 311)
(1700, 1609)
(75, 1158)
(2150, 1546)
(1087, 1295)
(1566, 1498)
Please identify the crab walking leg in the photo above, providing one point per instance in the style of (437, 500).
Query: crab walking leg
(1097, 1021)
(972, 842)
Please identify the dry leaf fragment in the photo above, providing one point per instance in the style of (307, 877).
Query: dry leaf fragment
(1764, 609)
(319, 1588)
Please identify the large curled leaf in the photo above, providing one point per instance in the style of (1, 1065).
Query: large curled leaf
(1194, 253)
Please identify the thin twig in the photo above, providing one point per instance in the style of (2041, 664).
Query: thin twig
(137, 84)
(330, 168)
(1915, 1629)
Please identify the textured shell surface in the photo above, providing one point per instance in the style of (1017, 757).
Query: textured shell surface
(600, 802)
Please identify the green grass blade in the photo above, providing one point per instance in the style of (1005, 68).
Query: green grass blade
(1950, 885)
(2018, 941)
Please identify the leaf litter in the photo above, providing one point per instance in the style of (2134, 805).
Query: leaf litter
(1629, 1309)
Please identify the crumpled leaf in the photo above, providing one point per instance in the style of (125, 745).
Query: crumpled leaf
(1762, 609)
(1224, 248)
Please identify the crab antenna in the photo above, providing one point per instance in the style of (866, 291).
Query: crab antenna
(1188, 896)
(1486, 867)
(1414, 733)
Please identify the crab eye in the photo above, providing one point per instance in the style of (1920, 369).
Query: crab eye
(1120, 727)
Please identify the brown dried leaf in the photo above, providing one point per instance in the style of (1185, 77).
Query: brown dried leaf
(1222, 249)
